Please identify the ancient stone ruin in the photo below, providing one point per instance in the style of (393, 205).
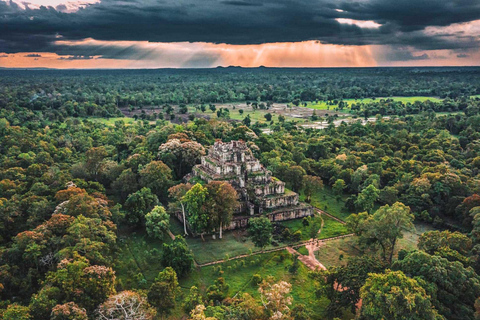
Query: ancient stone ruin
(259, 193)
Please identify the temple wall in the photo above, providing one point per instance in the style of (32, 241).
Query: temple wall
(276, 216)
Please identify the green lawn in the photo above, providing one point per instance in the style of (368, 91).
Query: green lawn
(322, 105)
(336, 252)
(234, 243)
(255, 116)
(238, 274)
(326, 200)
(332, 228)
(216, 249)
(137, 260)
(111, 121)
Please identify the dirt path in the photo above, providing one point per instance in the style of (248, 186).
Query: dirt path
(309, 261)
(300, 244)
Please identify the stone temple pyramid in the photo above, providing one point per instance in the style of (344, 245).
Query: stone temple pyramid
(259, 193)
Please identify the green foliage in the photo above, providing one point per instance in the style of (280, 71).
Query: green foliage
(139, 204)
(383, 228)
(366, 199)
(352, 276)
(393, 295)
(193, 299)
(260, 231)
(16, 312)
(456, 287)
(178, 256)
(163, 291)
(157, 223)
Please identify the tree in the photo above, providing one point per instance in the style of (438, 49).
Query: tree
(217, 291)
(138, 204)
(193, 299)
(94, 161)
(181, 156)
(339, 186)
(268, 116)
(221, 202)
(42, 303)
(177, 255)
(247, 121)
(68, 311)
(157, 222)
(163, 292)
(177, 193)
(454, 246)
(157, 176)
(383, 228)
(341, 285)
(276, 299)
(456, 287)
(81, 283)
(198, 217)
(393, 296)
(311, 185)
(126, 305)
(199, 313)
(366, 199)
(16, 312)
(260, 231)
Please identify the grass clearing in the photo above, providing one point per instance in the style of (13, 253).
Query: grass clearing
(111, 121)
(332, 228)
(336, 252)
(327, 200)
(137, 260)
(238, 274)
(323, 105)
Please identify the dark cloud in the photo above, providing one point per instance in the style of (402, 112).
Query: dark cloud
(33, 55)
(242, 3)
(462, 55)
(3, 55)
(76, 57)
(403, 24)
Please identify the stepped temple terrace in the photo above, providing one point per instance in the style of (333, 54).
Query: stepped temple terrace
(259, 193)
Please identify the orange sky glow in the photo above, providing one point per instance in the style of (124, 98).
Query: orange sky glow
(178, 55)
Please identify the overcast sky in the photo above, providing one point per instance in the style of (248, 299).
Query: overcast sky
(210, 33)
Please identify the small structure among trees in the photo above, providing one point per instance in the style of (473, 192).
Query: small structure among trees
(258, 193)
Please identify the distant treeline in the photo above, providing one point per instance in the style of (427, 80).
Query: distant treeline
(60, 94)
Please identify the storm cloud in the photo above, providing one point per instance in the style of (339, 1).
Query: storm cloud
(422, 25)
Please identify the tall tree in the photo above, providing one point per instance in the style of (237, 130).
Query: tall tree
(394, 296)
(177, 255)
(157, 222)
(457, 287)
(198, 217)
(139, 204)
(341, 285)
(157, 176)
(366, 199)
(126, 305)
(163, 291)
(180, 155)
(383, 228)
(260, 231)
(311, 185)
(222, 201)
(177, 193)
